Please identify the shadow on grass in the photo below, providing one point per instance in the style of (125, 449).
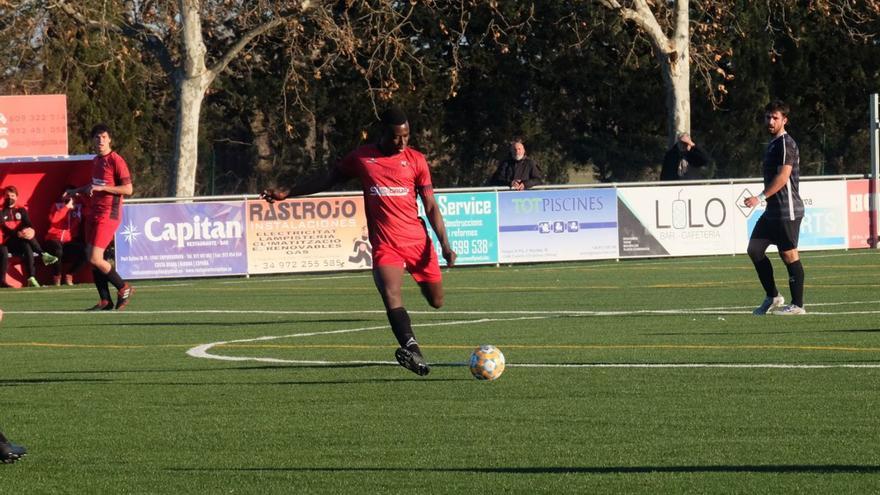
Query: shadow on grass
(40, 381)
(746, 468)
(178, 323)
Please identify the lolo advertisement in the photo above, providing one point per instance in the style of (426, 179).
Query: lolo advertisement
(675, 220)
(181, 240)
(571, 224)
(307, 235)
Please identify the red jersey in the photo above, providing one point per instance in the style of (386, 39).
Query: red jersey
(108, 170)
(389, 184)
(64, 222)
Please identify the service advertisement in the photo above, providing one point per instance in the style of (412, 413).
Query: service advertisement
(675, 220)
(181, 240)
(859, 208)
(471, 221)
(570, 224)
(308, 235)
(33, 125)
(825, 215)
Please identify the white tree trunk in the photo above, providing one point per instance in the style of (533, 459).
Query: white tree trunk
(673, 55)
(192, 80)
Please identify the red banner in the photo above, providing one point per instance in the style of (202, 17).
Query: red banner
(34, 125)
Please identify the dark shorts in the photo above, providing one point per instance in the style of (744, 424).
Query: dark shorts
(100, 231)
(782, 232)
(420, 260)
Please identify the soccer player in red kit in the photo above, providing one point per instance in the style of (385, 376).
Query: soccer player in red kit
(391, 175)
(111, 181)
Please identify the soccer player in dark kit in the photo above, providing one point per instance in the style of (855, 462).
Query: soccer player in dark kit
(391, 175)
(781, 222)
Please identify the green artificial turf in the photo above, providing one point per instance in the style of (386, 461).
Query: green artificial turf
(112, 403)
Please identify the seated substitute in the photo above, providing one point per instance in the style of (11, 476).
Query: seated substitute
(64, 238)
(17, 237)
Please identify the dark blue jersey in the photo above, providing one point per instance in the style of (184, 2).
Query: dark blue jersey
(786, 203)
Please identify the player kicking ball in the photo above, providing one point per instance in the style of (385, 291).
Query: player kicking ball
(391, 175)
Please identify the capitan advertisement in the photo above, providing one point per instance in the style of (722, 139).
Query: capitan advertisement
(181, 240)
(471, 221)
(33, 125)
(859, 209)
(825, 215)
(570, 224)
(308, 235)
(675, 220)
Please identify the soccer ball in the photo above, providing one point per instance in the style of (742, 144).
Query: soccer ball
(487, 363)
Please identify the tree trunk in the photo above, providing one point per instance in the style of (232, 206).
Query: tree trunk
(192, 80)
(190, 93)
(676, 79)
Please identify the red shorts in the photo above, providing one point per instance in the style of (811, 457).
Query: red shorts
(419, 260)
(100, 231)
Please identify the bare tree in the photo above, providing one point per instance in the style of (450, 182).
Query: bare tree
(681, 44)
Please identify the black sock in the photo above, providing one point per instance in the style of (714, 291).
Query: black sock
(101, 284)
(402, 328)
(765, 275)
(115, 279)
(796, 282)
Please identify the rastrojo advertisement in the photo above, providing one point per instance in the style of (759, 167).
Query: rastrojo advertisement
(307, 235)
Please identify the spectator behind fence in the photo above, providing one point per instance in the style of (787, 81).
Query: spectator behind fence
(17, 237)
(64, 238)
(517, 172)
(683, 158)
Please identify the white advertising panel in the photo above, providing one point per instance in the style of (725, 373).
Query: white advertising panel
(683, 220)
(825, 215)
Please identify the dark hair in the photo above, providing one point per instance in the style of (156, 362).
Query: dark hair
(11, 189)
(394, 116)
(99, 128)
(778, 105)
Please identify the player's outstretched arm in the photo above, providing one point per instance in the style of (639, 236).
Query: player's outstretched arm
(311, 185)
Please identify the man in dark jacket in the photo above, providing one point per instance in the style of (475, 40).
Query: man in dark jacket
(682, 159)
(517, 172)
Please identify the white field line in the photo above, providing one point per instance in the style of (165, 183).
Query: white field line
(719, 310)
(202, 351)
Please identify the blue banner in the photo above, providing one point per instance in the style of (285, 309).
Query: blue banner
(561, 225)
(181, 240)
(471, 225)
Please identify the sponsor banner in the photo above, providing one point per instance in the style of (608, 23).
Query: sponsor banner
(675, 220)
(859, 213)
(307, 235)
(33, 125)
(561, 225)
(471, 221)
(825, 215)
(181, 240)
